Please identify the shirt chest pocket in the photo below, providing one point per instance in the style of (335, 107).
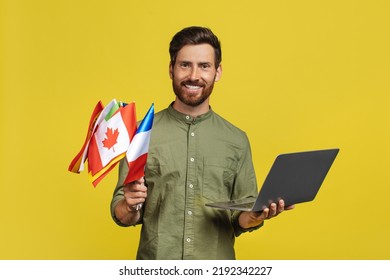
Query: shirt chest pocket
(218, 178)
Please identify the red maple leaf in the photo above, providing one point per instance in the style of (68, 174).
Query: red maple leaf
(110, 141)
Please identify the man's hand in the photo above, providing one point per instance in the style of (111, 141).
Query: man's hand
(252, 219)
(135, 194)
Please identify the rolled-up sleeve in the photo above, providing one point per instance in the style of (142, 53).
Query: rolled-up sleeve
(245, 185)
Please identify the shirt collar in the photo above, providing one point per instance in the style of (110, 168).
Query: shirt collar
(187, 118)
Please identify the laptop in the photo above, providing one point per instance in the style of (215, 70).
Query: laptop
(294, 177)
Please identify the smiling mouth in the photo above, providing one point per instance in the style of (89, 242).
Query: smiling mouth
(192, 87)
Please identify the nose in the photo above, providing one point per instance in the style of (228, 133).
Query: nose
(194, 75)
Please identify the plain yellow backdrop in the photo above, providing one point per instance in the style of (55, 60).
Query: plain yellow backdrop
(297, 75)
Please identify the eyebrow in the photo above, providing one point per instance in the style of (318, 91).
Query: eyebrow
(199, 63)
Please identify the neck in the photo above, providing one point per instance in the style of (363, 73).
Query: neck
(192, 111)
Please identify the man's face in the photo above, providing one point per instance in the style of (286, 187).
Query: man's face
(194, 74)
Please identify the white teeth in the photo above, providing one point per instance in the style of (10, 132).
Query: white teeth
(192, 87)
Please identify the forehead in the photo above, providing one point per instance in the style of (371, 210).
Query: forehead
(196, 53)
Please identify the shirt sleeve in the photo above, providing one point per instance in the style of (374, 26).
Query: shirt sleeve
(245, 185)
(237, 228)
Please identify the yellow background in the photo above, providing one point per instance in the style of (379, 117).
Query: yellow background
(297, 75)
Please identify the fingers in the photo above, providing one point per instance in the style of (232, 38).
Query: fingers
(136, 186)
(275, 209)
(289, 207)
(271, 211)
(135, 194)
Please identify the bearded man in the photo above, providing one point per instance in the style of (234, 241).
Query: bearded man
(195, 157)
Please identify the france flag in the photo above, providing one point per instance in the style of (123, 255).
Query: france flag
(137, 152)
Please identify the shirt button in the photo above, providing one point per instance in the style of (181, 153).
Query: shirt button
(189, 212)
(188, 240)
(191, 186)
(192, 159)
(187, 117)
(192, 134)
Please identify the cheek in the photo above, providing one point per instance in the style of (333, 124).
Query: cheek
(179, 76)
(210, 79)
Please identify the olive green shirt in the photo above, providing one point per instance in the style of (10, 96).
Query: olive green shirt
(192, 161)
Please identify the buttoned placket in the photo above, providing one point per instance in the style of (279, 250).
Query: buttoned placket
(189, 236)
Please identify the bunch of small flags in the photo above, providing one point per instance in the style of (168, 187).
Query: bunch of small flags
(112, 135)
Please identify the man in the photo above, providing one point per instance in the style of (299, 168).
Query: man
(195, 157)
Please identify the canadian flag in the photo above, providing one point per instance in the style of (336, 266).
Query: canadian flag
(111, 141)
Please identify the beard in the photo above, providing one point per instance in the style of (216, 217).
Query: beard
(191, 99)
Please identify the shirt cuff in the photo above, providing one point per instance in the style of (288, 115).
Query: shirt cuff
(116, 220)
(236, 226)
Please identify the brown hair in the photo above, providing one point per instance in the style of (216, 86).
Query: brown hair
(195, 35)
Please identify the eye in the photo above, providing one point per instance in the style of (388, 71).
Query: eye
(205, 66)
(184, 64)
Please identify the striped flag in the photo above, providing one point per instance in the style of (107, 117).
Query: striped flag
(77, 163)
(138, 150)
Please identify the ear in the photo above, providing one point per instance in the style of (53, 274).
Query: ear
(219, 73)
(171, 70)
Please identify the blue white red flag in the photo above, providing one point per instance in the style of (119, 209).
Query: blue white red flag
(137, 152)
